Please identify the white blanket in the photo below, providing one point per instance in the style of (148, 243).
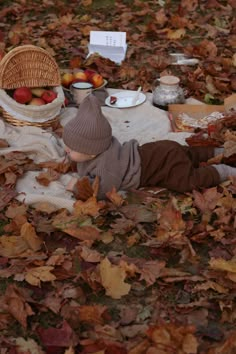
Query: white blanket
(145, 123)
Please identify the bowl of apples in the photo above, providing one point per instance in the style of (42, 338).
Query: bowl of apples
(30, 87)
(68, 77)
(38, 106)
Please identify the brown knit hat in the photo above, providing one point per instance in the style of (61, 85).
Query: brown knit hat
(89, 132)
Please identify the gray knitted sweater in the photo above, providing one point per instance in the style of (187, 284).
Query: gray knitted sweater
(119, 166)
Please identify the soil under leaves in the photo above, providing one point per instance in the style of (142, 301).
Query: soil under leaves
(150, 273)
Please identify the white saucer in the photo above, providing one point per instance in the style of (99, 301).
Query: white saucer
(125, 99)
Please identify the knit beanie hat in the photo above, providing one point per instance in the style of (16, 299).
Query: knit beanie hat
(89, 132)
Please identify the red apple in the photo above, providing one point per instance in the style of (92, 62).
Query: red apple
(48, 96)
(37, 101)
(22, 95)
(38, 91)
(80, 76)
(89, 73)
(96, 80)
(67, 79)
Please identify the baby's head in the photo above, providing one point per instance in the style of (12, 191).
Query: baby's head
(89, 133)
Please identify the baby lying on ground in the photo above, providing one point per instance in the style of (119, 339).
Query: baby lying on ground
(89, 142)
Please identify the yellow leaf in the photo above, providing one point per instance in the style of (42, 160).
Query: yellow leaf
(90, 207)
(12, 246)
(177, 34)
(27, 346)
(29, 235)
(234, 60)
(86, 2)
(211, 285)
(35, 275)
(112, 278)
(107, 237)
(66, 19)
(45, 207)
(222, 264)
(190, 344)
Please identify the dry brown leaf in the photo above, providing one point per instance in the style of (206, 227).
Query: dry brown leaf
(29, 235)
(35, 276)
(24, 346)
(176, 34)
(91, 314)
(13, 246)
(90, 255)
(115, 197)
(45, 178)
(89, 207)
(222, 264)
(18, 306)
(112, 279)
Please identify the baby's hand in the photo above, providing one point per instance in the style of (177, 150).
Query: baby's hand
(71, 185)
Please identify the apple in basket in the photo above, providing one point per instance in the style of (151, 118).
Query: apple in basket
(37, 101)
(22, 95)
(80, 76)
(96, 80)
(89, 73)
(67, 79)
(38, 91)
(48, 96)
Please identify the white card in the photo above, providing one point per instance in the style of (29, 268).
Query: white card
(108, 44)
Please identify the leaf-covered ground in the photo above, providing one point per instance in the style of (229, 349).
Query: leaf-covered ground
(153, 273)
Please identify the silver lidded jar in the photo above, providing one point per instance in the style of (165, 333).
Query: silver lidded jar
(167, 91)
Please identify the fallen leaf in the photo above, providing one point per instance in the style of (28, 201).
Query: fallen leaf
(115, 197)
(17, 304)
(112, 279)
(58, 337)
(35, 276)
(24, 346)
(221, 264)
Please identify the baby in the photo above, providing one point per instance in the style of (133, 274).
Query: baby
(89, 142)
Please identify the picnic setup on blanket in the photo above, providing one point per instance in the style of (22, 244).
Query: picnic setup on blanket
(37, 100)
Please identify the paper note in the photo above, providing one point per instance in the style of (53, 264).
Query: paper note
(108, 44)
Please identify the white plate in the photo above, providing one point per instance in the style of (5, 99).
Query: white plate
(125, 99)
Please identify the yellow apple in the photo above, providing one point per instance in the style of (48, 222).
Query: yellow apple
(37, 91)
(67, 79)
(37, 101)
(80, 76)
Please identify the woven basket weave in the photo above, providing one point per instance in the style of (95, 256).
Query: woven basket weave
(30, 66)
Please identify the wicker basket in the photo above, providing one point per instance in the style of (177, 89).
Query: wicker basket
(30, 66)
